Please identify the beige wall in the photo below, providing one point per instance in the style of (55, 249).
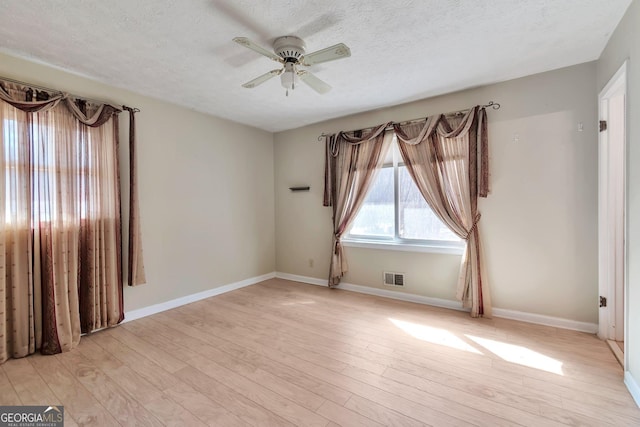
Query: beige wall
(539, 223)
(206, 190)
(625, 44)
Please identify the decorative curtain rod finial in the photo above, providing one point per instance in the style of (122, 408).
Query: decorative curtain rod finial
(492, 104)
(132, 109)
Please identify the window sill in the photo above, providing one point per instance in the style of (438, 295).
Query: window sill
(405, 247)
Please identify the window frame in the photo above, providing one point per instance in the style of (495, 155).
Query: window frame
(397, 243)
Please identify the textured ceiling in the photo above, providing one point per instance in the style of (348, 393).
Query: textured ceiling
(403, 50)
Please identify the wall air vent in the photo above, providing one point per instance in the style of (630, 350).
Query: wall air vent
(393, 279)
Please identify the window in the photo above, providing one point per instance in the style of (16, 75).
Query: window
(395, 215)
(42, 181)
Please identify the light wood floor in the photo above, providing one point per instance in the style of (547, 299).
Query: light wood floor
(283, 353)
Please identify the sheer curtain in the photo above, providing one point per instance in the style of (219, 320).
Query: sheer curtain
(351, 163)
(442, 158)
(60, 248)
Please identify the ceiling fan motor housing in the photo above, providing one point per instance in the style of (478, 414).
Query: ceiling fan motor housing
(289, 48)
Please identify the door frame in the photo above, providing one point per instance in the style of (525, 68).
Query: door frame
(612, 245)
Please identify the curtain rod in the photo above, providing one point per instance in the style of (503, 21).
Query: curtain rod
(30, 85)
(491, 104)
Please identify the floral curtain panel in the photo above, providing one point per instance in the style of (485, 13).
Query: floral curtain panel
(447, 157)
(441, 155)
(351, 163)
(60, 225)
(135, 270)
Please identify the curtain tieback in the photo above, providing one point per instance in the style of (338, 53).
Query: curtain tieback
(473, 227)
(338, 246)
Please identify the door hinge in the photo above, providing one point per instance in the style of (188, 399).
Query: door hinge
(603, 125)
(603, 301)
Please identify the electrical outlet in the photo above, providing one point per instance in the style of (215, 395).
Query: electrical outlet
(310, 262)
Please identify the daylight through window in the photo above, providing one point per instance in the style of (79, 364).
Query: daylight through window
(394, 211)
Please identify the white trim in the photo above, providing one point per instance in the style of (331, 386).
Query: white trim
(615, 83)
(304, 279)
(538, 319)
(405, 247)
(612, 218)
(633, 387)
(603, 259)
(386, 293)
(188, 299)
(402, 296)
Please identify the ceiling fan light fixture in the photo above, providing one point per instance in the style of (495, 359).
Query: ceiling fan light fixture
(288, 79)
(290, 52)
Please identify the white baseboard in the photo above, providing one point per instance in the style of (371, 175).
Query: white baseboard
(436, 302)
(304, 279)
(419, 299)
(538, 319)
(168, 305)
(633, 387)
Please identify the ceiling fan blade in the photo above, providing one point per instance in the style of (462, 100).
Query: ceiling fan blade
(243, 41)
(313, 82)
(263, 78)
(332, 53)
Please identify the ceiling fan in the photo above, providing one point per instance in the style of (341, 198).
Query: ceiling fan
(290, 52)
